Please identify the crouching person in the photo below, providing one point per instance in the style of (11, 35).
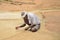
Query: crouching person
(31, 20)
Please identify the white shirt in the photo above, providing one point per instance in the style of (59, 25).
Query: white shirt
(33, 19)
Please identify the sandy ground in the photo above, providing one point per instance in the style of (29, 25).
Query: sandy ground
(50, 24)
(8, 31)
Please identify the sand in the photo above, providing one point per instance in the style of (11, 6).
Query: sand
(50, 23)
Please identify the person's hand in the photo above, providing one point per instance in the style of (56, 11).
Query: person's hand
(17, 27)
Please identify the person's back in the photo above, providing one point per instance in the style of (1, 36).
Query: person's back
(33, 19)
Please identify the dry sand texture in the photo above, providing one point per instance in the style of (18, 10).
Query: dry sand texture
(50, 23)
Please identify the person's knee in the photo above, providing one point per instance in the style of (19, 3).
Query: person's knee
(33, 29)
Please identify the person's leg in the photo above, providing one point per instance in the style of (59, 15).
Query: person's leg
(35, 28)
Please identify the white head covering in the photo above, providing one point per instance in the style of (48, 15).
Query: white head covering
(23, 14)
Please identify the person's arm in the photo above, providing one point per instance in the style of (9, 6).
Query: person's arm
(29, 18)
(22, 25)
(31, 26)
